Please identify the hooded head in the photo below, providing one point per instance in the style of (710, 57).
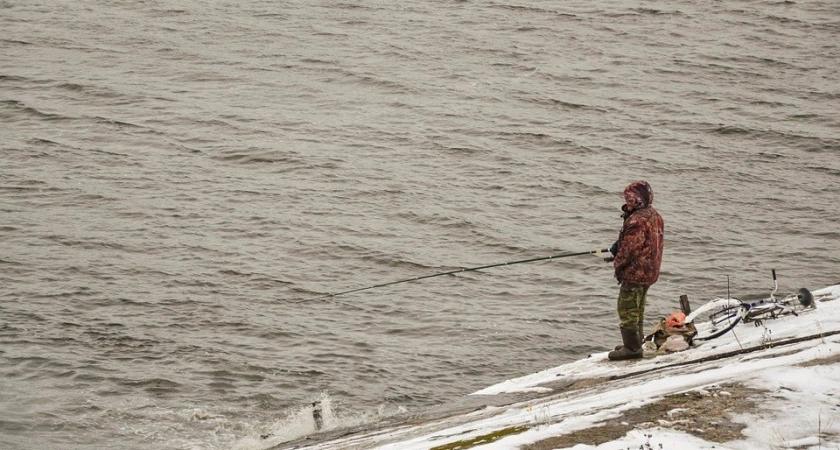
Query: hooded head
(638, 194)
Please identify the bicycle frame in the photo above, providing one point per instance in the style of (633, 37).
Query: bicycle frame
(771, 308)
(721, 315)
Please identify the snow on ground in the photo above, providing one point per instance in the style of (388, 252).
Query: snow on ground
(825, 318)
(793, 401)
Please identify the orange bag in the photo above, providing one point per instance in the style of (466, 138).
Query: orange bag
(676, 319)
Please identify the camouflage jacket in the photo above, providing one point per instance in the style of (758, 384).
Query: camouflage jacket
(641, 241)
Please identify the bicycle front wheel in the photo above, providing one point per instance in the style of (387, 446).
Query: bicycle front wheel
(717, 317)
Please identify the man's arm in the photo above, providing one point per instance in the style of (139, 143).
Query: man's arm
(632, 242)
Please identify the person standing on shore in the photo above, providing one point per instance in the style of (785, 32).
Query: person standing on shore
(637, 260)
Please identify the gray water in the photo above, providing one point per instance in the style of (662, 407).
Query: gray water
(178, 183)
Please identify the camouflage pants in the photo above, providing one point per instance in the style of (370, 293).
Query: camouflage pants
(631, 306)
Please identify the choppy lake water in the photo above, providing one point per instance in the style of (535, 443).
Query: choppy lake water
(178, 183)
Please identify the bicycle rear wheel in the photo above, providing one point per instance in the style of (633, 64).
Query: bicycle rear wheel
(717, 317)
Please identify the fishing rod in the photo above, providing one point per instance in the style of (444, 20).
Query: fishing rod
(468, 269)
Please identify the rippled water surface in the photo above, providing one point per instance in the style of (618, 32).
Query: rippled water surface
(179, 185)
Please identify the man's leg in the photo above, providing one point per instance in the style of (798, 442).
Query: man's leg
(631, 303)
(642, 305)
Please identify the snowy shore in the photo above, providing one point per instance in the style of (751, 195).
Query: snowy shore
(774, 386)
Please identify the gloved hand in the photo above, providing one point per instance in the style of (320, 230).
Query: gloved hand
(614, 249)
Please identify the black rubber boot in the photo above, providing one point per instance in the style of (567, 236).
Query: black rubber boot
(641, 336)
(632, 348)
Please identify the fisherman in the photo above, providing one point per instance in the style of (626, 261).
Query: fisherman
(637, 257)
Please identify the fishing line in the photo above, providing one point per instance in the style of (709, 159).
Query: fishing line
(729, 296)
(457, 271)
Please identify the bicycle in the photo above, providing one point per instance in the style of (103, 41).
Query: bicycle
(717, 317)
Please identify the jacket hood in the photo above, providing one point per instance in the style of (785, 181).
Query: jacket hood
(638, 194)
